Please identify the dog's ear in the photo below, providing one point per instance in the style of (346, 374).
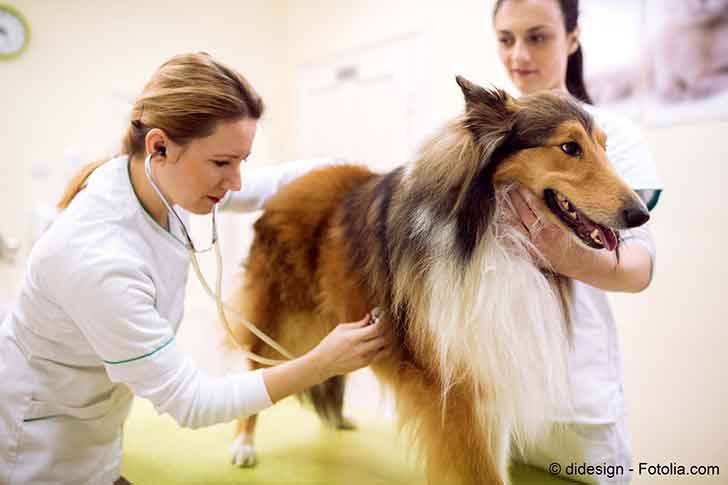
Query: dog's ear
(493, 105)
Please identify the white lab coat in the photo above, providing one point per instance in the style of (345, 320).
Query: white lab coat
(95, 324)
(594, 430)
(595, 363)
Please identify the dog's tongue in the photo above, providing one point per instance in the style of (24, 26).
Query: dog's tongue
(609, 239)
(606, 235)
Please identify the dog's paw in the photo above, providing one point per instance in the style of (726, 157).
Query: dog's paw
(346, 424)
(243, 454)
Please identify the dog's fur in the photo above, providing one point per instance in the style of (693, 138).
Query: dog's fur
(481, 333)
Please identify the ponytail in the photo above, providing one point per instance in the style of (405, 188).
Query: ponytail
(78, 183)
(575, 77)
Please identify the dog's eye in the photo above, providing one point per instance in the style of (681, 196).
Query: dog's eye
(571, 148)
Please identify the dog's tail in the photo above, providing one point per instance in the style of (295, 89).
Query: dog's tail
(327, 399)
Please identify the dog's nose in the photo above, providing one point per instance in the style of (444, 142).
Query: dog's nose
(635, 215)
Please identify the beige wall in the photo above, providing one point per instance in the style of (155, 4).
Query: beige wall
(67, 92)
(673, 336)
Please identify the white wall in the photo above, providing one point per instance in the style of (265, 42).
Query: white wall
(673, 336)
(455, 35)
(61, 95)
(69, 95)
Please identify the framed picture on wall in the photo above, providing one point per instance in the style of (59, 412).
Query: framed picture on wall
(659, 61)
(686, 61)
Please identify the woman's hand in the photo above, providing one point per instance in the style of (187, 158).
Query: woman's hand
(632, 272)
(351, 346)
(561, 253)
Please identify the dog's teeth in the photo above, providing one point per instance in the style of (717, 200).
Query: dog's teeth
(595, 236)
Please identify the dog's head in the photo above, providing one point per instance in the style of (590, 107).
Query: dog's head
(549, 144)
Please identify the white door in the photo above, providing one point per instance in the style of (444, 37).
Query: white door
(360, 105)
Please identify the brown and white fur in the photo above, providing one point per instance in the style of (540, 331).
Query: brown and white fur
(481, 331)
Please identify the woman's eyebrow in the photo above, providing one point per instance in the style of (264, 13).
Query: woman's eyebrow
(530, 30)
(228, 155)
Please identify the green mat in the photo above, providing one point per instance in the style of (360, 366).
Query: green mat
(293, 449)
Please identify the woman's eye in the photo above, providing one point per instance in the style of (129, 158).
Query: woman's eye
(537, 39)
(505, 41)
(571, 148)
(221, 163)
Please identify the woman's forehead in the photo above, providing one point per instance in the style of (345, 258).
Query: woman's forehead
(230, 138)
(525, 15)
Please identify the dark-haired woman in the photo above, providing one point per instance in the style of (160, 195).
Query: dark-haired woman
(539, 47)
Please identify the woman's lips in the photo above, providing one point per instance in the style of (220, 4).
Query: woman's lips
(523, 72)
(214, 200)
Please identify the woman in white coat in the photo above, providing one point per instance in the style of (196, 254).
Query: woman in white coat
(95, 321)
(539, 47)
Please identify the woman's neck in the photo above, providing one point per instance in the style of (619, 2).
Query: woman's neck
(148, 197)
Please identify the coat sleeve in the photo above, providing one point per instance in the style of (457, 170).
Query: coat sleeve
(262, 183)
(112, 301)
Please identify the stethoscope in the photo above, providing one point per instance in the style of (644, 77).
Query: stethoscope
(216, 296)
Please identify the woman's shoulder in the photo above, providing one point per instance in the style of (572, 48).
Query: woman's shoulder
(615, 125)
(627, 149)
(96, 232)
(74, 258)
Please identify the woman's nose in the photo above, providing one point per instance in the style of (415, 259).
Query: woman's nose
(520, 52)
(233, 180)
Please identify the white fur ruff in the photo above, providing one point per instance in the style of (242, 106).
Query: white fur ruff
(497, 326)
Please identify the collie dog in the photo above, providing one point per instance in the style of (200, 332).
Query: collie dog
(481, 330)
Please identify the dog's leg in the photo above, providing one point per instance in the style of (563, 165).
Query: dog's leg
(243, 448)
(328, 401)
(453, 435)
(340, 421)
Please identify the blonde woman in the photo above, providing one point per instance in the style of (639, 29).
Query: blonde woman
(104, 290)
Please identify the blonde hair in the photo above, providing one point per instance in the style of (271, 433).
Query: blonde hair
(186, 98)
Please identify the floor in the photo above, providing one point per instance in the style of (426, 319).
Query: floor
(293, 449)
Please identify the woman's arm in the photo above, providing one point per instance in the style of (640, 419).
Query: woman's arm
(112, 300)
(261, 183)
(348, 347)
(632, 272)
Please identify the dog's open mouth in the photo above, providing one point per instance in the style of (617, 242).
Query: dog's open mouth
(592, 234)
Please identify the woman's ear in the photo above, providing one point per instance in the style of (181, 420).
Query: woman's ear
(156, 143)
(573, 40)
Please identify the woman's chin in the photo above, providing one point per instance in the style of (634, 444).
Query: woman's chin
(200, 209)
(526, 86)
